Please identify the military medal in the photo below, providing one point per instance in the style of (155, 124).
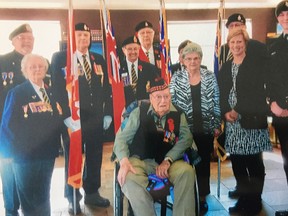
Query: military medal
(125, 79)
(4, 77)
(10, 76)
(80, 70)
(25, 109)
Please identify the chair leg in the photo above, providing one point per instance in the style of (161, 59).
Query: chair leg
(163, 206)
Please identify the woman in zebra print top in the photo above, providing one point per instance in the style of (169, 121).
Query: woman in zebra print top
(196, 92)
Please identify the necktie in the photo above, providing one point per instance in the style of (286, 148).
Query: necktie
(87, 69)
(147, 54)
(45, 96)
(229, 56)
(134, 77)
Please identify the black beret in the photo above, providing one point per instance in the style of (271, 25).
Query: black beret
(21, 29)
(82, 27)
(143, 24)
(237, 17)
(158, 84)
(130, 40)
(282, 6)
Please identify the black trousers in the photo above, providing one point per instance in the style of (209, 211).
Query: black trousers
(92, 141)
(204, 143)
(249, 172)
(281, 129)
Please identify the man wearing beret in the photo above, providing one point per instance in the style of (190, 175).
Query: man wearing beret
(278, 85)
(10, 68)
(153, 141)
(95, 113)
(149, 51)
(136, 74)
(255, 50)
(254, 47)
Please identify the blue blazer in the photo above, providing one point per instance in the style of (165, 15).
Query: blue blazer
(27, 135)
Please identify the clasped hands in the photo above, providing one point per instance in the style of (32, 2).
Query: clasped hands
(277, 110)
(231, 116)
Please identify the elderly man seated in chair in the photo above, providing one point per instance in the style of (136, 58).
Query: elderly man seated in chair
(154, 141)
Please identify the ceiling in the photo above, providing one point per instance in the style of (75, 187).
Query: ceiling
(136, 4)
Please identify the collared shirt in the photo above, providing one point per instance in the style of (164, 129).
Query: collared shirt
(81, 60)
(129, 65)
(124, 138)
(151, 54)
(37, 89)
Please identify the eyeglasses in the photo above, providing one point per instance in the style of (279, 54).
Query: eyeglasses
(135, 49)
(148, 32)
(23, 38)
(191, 59)
(235, 25)
(35, 67)
(159, 98)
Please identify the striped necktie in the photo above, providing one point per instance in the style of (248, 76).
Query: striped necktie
(229, 56)
(87, 69)
(44, 95)
(134, 77)
(147, 54)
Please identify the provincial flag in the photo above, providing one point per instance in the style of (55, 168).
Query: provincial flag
(218, 39)
(164, 45)
(113, 67)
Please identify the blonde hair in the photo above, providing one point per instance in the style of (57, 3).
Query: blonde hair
(236, 32)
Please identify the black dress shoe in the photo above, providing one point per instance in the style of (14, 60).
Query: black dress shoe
(203, 206)
(281, 213)
(96, 200)
(234, 193)
(71, 208)
(239, 207)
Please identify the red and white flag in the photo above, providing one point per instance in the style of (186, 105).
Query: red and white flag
(113, 67)
(72, 87)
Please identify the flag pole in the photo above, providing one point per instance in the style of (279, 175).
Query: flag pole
(70, 18)
(219, 29)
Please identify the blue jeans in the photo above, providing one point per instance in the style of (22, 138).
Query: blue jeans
(33, 180)
(10, 197)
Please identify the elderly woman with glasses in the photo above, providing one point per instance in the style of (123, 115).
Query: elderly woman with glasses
(195, 91)
(30, 130)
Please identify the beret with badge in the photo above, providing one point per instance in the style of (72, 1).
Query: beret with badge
(282, 6)
(21, 29)
(143, 24)
(236, 17)
(130, 40)
(82, 27)
(158, 84)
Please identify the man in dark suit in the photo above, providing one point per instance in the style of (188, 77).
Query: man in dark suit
(149, 52)
(278, 86)
(135, 89)
(10, 68)
(95, 111)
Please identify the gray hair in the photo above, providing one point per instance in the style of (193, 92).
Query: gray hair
(27, 58)
(192, 47)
